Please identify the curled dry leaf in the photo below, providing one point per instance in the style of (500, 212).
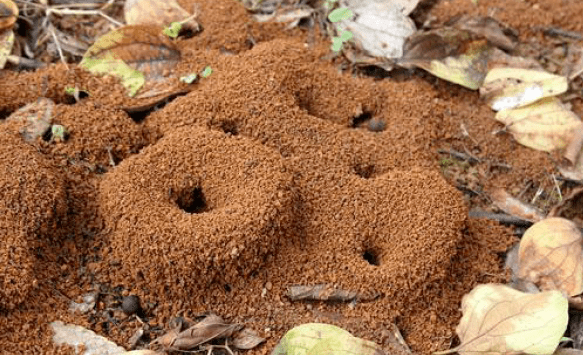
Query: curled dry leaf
(508, 88)
(515, 207)
(158, 12)
(326, 293)
(450, 54)
(8, 14)
(545, 125)
(135, 54)
(6, 44)
(323, 339)
(500, 320)
(210, 328)
(246, 339)
(35, 119)
(571, 207)
(572, 165)
(550, 256)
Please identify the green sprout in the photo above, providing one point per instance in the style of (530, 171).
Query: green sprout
(206, 72)
(338, 15)
(173, 29)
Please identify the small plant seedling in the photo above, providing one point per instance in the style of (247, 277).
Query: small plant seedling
(173, 29)
(345, 36)
(206, 72)
(329, 3)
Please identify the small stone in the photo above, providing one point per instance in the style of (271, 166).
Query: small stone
(268, 286)
(376, 125)
(130, 305)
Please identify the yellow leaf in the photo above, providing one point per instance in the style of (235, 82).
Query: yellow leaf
(498, 320)
(508, 88)
(550, 256)
(545, 125)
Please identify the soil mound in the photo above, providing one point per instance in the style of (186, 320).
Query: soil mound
(196, 206)
(32, 200)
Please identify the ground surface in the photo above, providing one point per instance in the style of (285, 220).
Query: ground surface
(265, 175)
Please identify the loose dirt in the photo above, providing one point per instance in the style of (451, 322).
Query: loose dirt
(266, 175)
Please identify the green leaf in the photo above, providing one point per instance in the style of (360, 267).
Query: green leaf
(206, 72)
(131, 79)
(346, 36)
(323, 339)
(340, 14)
(337, 44)
(173, 30)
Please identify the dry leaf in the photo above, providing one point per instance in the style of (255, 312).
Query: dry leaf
(142, 352)
(246, 339)
(514, 207)
(485, 27)
(321, 292)
(8, 14)
(508, 88)
(572, 166)
(500, 320)
(550, 256)
(35, 119)
(135, 54)
(571, 207)
(545, 125)
(158, 12)
(449, 53)
(210, 328)
(6, 44)
(323, 339)
(379, 26)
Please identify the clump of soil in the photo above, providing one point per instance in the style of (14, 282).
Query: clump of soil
(33, 204)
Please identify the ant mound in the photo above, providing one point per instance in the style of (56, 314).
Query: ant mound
(32, 200)
(196, 207)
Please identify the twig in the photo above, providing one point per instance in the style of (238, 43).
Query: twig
(500, 217)
(557, 32)
(61, 55)
(460, 155)
(25, 62)
(82, 12)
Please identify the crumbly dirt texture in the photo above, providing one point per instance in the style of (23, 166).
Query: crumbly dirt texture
(271, 172)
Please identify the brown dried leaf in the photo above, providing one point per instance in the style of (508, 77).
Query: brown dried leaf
(514, 207)
(210, 328)
(458, 56)
(572, 166)
(138, 55)
(8, 14)
(158, 12)
(550, 256)
(6, 45)
(35, 119)
(247, 339)
(571, 207)
(488, 28)
(323, 292)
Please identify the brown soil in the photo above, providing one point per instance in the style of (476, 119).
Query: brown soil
(265, 175)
